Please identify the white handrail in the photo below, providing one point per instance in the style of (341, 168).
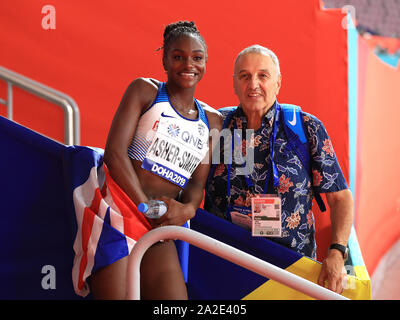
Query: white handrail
(222, 250)
(71, 110)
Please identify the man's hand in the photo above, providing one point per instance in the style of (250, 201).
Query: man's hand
(333, 272)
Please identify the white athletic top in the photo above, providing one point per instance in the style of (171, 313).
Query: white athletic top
(167, 143)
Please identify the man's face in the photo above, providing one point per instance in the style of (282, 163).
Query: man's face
(256, 82)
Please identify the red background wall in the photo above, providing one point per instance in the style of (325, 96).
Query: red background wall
(98, 47)
(377, 192)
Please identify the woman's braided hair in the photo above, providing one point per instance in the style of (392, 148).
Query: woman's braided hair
(177, 29)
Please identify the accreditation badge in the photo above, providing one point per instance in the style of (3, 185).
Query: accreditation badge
(266, 215)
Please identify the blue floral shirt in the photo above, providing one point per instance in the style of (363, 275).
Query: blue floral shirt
(295, 183)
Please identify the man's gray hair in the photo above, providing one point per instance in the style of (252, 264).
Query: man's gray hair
(256, 48)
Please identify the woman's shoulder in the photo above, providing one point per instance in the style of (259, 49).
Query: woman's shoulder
(213, 115)
(142, 90)
(147, 84)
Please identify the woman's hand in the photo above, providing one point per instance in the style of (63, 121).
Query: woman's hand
(178, 213)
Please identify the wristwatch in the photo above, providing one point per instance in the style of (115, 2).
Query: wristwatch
(343, 249)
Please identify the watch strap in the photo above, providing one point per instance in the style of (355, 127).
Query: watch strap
(343, 249)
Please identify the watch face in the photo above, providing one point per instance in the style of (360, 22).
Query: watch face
(346, 254)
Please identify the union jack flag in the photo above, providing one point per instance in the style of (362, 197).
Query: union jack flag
(108, 222)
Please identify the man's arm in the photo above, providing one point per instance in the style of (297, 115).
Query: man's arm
(341, 208)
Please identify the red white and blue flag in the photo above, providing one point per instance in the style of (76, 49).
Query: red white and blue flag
(109, 223)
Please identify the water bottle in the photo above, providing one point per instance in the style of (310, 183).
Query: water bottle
(153, 209)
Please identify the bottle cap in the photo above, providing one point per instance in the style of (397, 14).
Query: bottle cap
(143, 207)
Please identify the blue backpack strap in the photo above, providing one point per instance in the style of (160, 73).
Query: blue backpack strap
(293, 126)
(298, 142)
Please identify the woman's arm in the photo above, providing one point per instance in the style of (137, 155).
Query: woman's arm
(138, 96)
(192, 195)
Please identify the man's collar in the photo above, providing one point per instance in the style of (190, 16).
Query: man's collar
(265, 120)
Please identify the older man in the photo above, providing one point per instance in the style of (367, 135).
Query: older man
(257, 81)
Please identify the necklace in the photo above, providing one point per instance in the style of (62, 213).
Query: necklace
(182, 109)
(191, 111)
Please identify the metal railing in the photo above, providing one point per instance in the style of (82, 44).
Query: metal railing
(70, 108)
(224, 251)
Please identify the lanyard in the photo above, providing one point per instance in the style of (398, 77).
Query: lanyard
(248, 178)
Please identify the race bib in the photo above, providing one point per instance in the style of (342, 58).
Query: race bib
(177, 149)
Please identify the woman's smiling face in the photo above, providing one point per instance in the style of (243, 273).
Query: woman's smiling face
(185, 61)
